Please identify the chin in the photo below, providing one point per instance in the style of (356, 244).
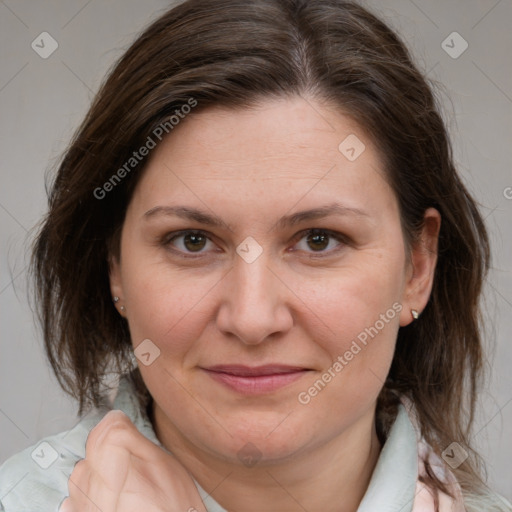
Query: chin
(264, 441)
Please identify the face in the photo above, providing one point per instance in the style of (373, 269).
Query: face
(265, 274)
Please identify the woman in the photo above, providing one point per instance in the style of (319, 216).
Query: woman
(260, 227)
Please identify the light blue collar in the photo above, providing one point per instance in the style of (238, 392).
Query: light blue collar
(393, 484)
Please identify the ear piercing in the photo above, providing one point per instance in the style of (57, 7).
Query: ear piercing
(116, 300)
(415, 314)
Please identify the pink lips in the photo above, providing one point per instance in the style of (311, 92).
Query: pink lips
(257, 379)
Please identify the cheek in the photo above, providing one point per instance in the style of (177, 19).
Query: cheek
(360, 314)
(355, 299)
(361, 342)
(168, 307)
(356, 362)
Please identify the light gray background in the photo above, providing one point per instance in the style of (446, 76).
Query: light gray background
(43, 100)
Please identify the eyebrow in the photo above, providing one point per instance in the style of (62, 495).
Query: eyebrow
(203, 217)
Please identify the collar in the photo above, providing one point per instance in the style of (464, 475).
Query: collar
(393, 484)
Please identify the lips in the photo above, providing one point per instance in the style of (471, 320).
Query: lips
(255, 371)
(255, 380)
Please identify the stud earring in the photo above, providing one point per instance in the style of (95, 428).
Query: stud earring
(415, 314)
(116, 300)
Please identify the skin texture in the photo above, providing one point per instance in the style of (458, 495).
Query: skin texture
(292, 305)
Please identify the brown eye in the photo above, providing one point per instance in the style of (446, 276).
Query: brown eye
(318, 241)
(321, 241)
(188, 242)
(194, 241)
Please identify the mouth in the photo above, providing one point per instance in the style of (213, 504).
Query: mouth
(255, 380)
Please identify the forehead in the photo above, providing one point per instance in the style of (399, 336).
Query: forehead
(285, 149)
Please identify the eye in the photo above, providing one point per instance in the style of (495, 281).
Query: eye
(320, 241)
(189, 241)
(315, 240)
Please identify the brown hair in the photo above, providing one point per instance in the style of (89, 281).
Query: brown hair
(235, 53)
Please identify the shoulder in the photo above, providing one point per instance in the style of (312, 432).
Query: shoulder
(36, 479)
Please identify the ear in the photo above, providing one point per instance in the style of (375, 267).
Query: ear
(422, 266)
(116, 287)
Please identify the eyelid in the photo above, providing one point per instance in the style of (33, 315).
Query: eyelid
(333, 234)
(339, 237)
(169, 237)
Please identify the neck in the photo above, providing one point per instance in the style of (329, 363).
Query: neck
(331, 477)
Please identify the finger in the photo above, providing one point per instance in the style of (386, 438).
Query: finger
(116, 451)
(114, 421)
(117, 430)
(66, 506)
(87, 492)
(79, 483)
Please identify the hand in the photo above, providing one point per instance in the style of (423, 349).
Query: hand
(123, 471)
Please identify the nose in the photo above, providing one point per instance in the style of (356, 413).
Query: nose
(255, 302)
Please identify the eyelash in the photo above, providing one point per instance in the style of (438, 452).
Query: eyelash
(297, 238)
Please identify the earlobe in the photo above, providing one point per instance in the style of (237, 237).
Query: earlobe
(423, 260)
(116, 288)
